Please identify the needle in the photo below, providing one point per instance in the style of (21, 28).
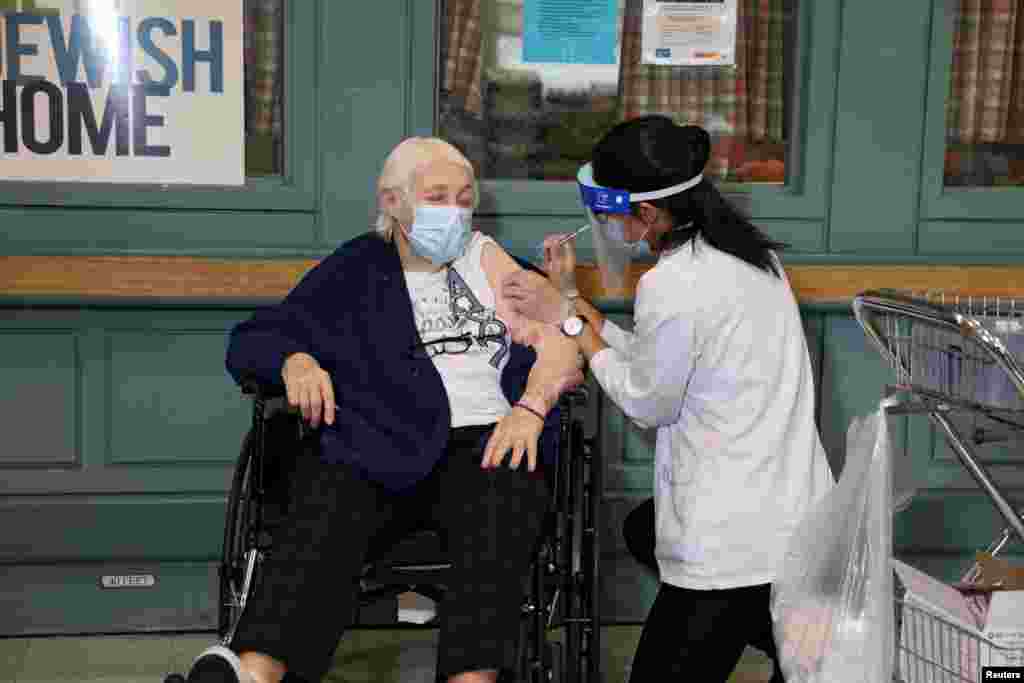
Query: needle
(540, 247)
(572, 236)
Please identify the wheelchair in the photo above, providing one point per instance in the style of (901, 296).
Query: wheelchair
(562, 587)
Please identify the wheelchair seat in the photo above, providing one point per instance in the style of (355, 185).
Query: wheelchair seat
(561, 590)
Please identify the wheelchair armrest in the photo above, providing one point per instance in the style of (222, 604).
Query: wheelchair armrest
(271, 396)
(257, 388)
(575, 397)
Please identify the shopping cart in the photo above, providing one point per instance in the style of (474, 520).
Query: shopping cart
(955, 360)
(933, 649)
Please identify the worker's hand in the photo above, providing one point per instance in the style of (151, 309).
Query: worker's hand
(517, 432)
(560, 262)
(534, 296)
(309, 388)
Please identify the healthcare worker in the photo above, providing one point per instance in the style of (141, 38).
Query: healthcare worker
(718, 363)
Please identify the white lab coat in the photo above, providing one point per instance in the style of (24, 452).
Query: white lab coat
(718, 362)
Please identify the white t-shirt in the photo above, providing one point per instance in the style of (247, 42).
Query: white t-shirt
(718, 362)
(454, 301)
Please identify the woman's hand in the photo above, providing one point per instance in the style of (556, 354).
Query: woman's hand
(518, 432)
(309, 388)
(531, 295)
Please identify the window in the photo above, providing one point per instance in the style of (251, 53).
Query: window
(264, 88)
(532, 121)
(985, 101)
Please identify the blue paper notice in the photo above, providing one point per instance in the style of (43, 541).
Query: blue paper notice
(570, 31)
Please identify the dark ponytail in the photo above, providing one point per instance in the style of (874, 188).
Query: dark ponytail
(652, 152)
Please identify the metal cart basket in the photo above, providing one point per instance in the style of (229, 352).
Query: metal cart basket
(956, 360)
(933, 649)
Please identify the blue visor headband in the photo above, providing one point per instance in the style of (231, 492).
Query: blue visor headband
(609, 200)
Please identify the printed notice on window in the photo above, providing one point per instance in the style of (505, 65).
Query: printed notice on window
(694, 33)
(570, 31)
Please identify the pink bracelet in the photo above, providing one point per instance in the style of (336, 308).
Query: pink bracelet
(526, 407)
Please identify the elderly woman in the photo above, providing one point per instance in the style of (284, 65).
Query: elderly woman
(430, 405)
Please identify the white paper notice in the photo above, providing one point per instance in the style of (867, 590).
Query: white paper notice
(701, 33)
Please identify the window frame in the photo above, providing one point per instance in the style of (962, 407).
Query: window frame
(802, 197)
(295, 190)
(938, 202)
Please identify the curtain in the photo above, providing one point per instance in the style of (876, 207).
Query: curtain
(986, 102)
(742, 105)
(264, 92)
(463, 58)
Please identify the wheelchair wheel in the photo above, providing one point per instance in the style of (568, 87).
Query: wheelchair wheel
(591, 551)
(240, 554)
(582, 596)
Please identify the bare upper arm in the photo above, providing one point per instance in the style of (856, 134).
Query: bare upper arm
(498, 265)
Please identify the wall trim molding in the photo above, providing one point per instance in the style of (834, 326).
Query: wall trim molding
(167, 279)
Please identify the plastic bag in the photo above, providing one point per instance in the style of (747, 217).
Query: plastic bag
(832, 604)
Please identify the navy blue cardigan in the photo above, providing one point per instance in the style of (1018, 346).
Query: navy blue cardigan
(353, 313)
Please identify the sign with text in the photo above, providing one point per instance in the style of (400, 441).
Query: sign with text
(689, 33)
(570, 31)
(122, 91)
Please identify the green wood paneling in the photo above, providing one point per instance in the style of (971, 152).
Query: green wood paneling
(193, 233)
(39, 398)
(881, 94)
(42, 599)
(853, 378)
(948, 522)
(365, 72)
(115, 422)
(170, 399)
(424, 26)
(66, 527)
(987, 240)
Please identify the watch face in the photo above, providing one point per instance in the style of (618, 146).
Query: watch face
(572, 326)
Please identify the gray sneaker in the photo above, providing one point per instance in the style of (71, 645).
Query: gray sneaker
(218, 664)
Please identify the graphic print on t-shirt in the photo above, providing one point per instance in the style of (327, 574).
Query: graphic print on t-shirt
(466, 308)
(456, 310)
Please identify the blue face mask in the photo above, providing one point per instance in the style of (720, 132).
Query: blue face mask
(440, 233)
(616, 231)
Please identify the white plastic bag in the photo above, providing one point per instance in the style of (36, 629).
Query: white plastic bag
(832, 604)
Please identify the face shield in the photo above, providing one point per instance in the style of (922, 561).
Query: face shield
(606, 209)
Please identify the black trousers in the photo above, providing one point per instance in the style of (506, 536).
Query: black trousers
(695, 634)
(491, 519)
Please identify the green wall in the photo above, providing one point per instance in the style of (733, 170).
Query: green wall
(121, 426)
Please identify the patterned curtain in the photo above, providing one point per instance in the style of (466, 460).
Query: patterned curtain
(748, 100)
(463, 57)
(986, 102)
(264, 92)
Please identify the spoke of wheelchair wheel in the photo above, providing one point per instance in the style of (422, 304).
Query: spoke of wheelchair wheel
(250, 568)
(553, 606)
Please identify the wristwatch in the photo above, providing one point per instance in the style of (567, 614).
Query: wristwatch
(573, 325)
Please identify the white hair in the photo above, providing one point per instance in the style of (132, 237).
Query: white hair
(399, 174)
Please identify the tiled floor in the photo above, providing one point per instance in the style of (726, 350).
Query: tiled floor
(363, 656)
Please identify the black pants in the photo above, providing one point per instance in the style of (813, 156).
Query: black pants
(490, 518)
(695, 634)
